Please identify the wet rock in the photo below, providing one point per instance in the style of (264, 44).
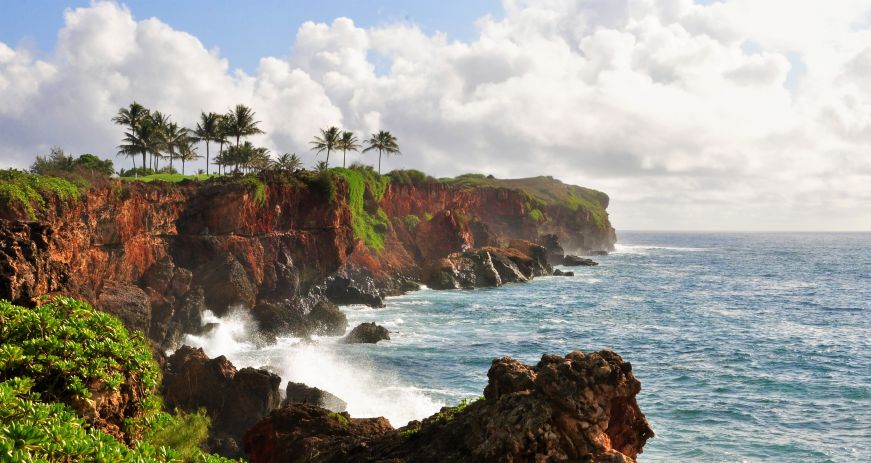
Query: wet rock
(300, 393)
(326, 319)
(573, 408)
(225, 284)
(552, 246)
(367, 333)
(560, 273)
(574, 261)
(539, 265)
(302, 317)
(235, 400)
(353, 287)
(127, 302)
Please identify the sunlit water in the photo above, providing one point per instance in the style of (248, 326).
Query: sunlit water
(749, 347)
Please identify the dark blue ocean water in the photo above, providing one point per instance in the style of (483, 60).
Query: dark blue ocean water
(749, 347)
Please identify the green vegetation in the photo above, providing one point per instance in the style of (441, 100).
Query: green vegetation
(32, 191)
(449, 413)
(536, 215)
(257, 186)
(329, 140)
(411, 221)
(57, 355)
(58, 162)
(170, 178)
(590, 201)
(362, 182)
(427, 216)
(342, 419)
(410, 177)
(384, 142)
(410, 431)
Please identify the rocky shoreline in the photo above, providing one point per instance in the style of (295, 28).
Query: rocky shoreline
(158, 256)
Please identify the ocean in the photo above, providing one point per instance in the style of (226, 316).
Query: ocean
(749, 346)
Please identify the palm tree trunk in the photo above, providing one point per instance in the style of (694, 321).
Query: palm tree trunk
(207, 156)
(328, 158)
(343, 158)
(182, 166)
(379, 162)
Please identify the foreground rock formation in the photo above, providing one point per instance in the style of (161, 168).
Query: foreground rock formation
(573, 408)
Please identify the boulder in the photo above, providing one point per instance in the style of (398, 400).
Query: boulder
(560, 273)
(226, 284)
(300, 317)
(573, 408)
(302, 394)
(235, 400)
(574, 261)
(367, 333)
(127, 302)
(353, 287)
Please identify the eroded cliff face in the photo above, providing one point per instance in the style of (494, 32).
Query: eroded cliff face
(160, 254)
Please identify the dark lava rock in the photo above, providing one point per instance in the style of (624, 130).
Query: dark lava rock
(127, 302)
(367, 333)
(354, 287)
(301, 317)
(235, 400)
(598, 253)
(574, 261)
(575, 408)
(560, 273)
(302, 394)
(552, 246)
(226, 284)
(325, 318)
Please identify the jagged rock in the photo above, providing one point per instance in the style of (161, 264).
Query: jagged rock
(302, 394)
(302, 317)
(353, 287)
(560, 273)
(552, 246)
(305, 433)
(170, 321)
(574, 261)
(573, 408)
(367, 333)
(537, 254)
(226, 284)
(127, 302)
(488, 267)
(235, 400)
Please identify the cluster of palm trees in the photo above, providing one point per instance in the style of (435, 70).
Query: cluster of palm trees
(153, 136)
(335, 139)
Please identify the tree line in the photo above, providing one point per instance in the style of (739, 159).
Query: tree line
(153, 137)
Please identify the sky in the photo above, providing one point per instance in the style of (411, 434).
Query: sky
(706, 115)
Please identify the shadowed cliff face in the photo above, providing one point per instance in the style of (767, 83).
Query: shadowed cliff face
(160, 254)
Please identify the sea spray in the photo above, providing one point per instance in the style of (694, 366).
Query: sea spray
(323, 362)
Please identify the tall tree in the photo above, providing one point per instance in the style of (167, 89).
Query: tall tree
(160, 122)
(187, 151)
(287, 162)
(384, 142)
(174, 136)
(132, 116)
(328, 141)
(241, 123)
(146, 140)
(208, 130)
(348, 142)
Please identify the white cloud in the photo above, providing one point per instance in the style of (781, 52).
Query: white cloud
(688, 115)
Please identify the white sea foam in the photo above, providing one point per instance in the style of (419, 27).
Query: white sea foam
(645, 249)
(324, 363)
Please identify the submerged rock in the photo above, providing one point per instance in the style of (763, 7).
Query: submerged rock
(302, 394)
(367, 333)
(573, 408)
(575, 261)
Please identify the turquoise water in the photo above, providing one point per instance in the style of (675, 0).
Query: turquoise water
(749, 347)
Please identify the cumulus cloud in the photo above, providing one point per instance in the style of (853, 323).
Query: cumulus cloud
(738, 114)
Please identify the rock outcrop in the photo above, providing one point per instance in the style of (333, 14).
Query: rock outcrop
(573, 408)
(298, 393)
(367, 333)
(234, 399)
(575, 261)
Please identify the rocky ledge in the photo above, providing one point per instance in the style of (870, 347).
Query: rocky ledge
(573, 408)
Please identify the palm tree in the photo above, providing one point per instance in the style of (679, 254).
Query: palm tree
(348, 142)
(132, 116)
(174, 136)
(160, 122)
(384, 142)
(287, 162)
(223, 133)
(146, 140)
(328, 141)
(208, 130)
(187, 151)
(241, 123)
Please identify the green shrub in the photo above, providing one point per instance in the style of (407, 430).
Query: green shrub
(409, 177)
(449, 413)
(342, 419)
(67, 348)
(536, 215)
(32, 191)
(57, 354)
(411, 221)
